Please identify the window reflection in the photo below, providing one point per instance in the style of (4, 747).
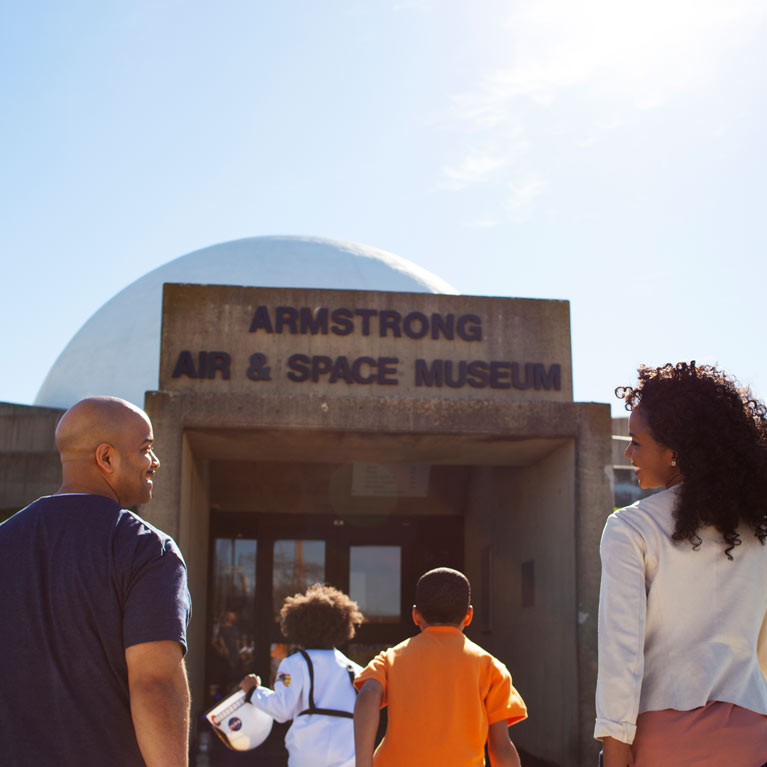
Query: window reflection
(278, 651)
(297, 564)
(374, 582)
(232, 636)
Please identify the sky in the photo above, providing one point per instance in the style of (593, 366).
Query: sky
(604, 152)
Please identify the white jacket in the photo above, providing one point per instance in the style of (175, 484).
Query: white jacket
(677, 627)
(314, 740)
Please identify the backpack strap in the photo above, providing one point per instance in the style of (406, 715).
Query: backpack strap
(312, 707)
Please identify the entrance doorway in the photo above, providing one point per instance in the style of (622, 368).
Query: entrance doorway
(258, 559)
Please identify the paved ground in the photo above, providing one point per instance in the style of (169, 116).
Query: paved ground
(531, 761)
(216, 755)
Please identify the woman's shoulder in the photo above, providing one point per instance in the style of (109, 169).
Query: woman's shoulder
(647, 515)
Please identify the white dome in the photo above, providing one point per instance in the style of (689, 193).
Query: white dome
(117, 351)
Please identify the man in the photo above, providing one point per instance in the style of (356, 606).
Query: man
(94, 605)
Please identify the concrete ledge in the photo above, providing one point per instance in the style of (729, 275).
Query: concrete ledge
(27, 428)
(374, 414)
(25, 476)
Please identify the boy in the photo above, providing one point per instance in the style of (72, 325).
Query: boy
(446, 695)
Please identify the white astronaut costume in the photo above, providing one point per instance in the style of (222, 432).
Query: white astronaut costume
(320, 736)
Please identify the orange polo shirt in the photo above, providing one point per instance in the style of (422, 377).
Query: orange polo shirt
(442, 691)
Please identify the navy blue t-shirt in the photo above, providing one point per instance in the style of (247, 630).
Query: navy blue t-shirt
(80, 580)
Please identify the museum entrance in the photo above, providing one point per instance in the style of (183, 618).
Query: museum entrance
(265, 513)
(256, 560)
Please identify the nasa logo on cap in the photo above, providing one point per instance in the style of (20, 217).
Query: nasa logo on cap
(234, 723)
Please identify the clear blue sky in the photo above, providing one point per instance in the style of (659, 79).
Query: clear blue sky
(605, 152)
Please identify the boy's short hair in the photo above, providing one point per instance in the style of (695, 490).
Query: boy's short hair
(321, 618)
(443, 596)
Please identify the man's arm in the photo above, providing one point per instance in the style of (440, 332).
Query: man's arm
(499, 745)
(159, 701)
(366, 716)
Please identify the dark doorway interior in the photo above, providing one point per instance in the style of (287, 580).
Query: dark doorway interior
(259, 559)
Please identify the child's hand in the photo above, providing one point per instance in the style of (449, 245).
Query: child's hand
(249, 682)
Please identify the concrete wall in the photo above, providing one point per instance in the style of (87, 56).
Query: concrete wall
(193, 538)
(593, 504)
(29, 463)
(526, 517)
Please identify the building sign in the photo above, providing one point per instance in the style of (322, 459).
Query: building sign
(287, 340)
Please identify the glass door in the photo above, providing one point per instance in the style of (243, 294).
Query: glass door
(231, 637)
(296, 565)
(259, 559)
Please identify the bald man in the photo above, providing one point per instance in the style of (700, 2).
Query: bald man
(95, 606)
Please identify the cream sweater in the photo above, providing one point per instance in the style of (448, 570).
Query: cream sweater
(677, 627)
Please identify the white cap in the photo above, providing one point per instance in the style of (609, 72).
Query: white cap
(240, 724)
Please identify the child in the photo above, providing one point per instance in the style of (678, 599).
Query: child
(446, 695)
(314, 686)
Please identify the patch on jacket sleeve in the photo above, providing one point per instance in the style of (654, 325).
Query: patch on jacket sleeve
(284, 678)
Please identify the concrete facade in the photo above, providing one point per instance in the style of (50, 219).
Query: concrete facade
(29, 463)
(271, 399)
(528, 471)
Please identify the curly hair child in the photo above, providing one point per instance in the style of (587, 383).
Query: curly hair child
(313, 686)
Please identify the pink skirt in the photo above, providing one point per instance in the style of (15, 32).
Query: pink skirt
(715, 735)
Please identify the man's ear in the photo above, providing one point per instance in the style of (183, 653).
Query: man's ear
(469, 616)
(105, 457)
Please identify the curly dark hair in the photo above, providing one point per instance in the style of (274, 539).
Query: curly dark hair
(321, 618)
(718, 431)
(443, 596)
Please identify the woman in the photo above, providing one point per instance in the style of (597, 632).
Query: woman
(683, 598)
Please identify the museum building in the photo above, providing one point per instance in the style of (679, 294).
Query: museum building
(325, 411)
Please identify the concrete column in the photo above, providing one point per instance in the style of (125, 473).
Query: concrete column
(594, 502)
